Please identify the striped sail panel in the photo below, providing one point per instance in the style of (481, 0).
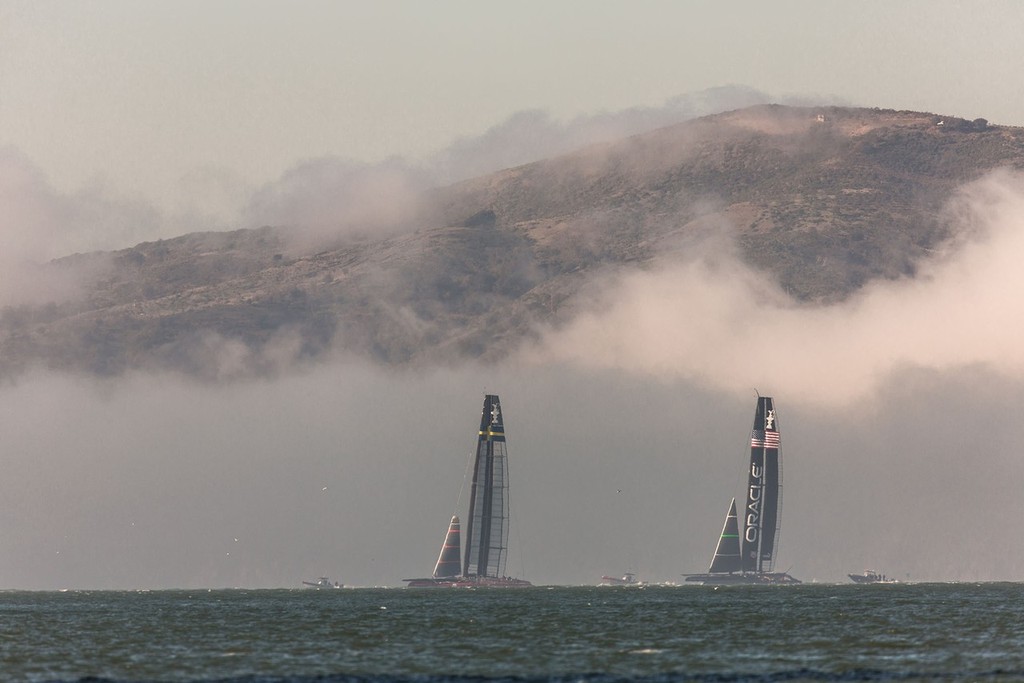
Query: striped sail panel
(727, 554)
(449, 562)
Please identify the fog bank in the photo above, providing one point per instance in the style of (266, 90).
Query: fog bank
(712, 320)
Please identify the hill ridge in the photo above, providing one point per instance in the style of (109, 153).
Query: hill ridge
(824, 199)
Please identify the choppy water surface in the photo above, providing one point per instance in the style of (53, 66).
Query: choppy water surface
(811, 632)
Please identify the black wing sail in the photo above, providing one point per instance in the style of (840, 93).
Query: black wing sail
(449, 562)
(764, 488)
(772, 486)
(487, 530)
(727, 554)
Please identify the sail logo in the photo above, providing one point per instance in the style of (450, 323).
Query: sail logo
(769, 420)
(754, 503)
(495, 415)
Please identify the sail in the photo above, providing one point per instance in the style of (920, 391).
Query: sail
(764, 488)
(449, 562)
(487, 530)
(727, 554)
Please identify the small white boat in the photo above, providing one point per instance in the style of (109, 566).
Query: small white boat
(322, 583)
(628, 579)
(871, 576)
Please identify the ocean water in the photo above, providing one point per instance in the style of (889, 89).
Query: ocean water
(907, 632)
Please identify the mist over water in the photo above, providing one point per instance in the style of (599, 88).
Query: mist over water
(353, 472)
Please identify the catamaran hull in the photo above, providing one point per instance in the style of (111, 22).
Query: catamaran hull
(753, 579)
(472, 582)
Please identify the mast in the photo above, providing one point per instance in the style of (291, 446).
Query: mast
(487, 529)
(727, 553)
(449, 562)
(763, 490)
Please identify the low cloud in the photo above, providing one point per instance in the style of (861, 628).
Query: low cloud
(334, 198)
(321, 199)
(534, 134)
(38, 224)
(353, 471)
(713, 320)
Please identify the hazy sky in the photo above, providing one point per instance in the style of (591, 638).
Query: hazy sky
(122, 121)
(181, 103)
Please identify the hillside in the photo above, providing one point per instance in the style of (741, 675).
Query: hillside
(823, 199)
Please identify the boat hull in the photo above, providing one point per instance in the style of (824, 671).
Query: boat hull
(323, 584)
(616, 581)
(749, 579)
(468, 582)
(871, 577)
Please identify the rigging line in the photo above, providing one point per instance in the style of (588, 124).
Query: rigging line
(465, 473)
(465, 476)
(743, 475)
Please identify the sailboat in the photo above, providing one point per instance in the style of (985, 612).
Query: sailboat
(748, 558)
(483, 565)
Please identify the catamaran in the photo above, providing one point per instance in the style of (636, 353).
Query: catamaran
(749, 558)
(487, 530)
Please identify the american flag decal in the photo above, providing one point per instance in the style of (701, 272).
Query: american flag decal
(759, 439)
